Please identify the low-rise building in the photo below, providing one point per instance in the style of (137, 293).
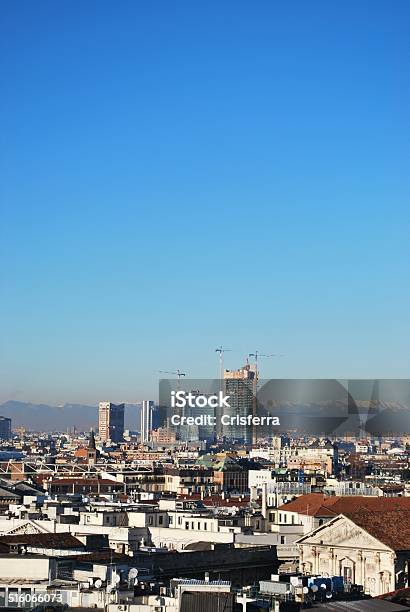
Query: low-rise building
(369, 548)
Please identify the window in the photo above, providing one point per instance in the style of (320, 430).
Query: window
(171, 520)
(347, 574)
(282, 539)
(161, 519)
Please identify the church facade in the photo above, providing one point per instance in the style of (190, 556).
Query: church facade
(357, 549)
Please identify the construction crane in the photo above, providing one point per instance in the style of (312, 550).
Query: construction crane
(221, 350)
(177, 373)
(257, 354)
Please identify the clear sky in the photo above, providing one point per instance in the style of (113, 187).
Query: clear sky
(179, 175)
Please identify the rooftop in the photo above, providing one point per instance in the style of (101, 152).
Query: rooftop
(42, 540)
(392, 527)
(319, 505)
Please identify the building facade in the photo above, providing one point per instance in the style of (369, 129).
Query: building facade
(5, 428)
(146, 420)
(371, 549)
(111, 422)
(240, 385)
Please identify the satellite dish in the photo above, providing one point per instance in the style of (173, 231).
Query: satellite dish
(329, 595)
(133, 573)
(305, 590)
(314, 588)
(98, 584)
(117, 579)
(323, 586)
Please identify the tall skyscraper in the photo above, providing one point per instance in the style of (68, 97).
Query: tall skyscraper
(146, 420)
(240, 385)
(111, 422)
(5, 428)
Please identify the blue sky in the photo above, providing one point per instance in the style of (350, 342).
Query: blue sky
(176, 176)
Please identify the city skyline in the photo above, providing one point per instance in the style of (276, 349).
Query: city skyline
(204, 313)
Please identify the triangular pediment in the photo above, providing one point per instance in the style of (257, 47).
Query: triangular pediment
(26, 528)
(341, 531)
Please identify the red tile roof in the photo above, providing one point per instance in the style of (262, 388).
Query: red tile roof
(313, 504)
(43, 540)
(317, 504)
(392, 527)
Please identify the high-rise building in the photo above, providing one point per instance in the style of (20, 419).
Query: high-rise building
(240, 385)
(5, 428)
(146, 420)
(111, 421)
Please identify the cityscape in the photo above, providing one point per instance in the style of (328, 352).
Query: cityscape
(204, 312)
(185, 516)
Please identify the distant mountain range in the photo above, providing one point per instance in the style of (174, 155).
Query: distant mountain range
(42, 417)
